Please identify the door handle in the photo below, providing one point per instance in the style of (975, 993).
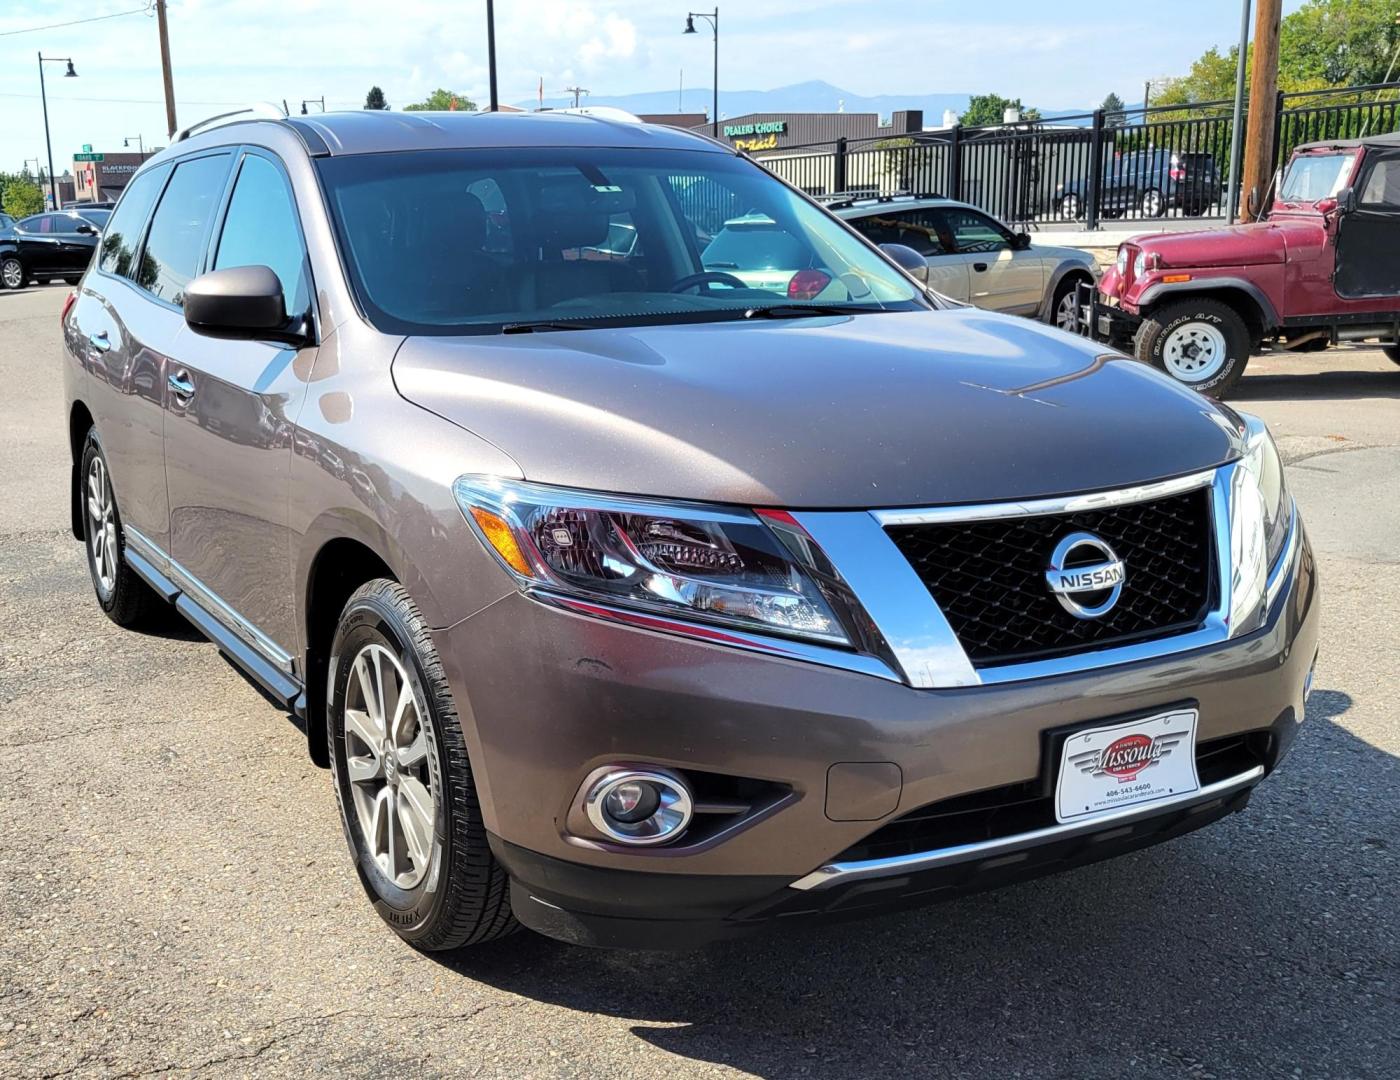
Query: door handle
(981, 268)
(181, 386)
(99, 341)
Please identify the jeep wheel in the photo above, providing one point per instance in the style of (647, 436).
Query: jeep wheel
(1152, 203)
(125, 598)
(1392, 352)
(403, 782)
(1201, 343)
(12, 273)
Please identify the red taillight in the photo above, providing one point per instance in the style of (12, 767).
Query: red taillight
(807, 284)
(68, 306)
(1177, 174)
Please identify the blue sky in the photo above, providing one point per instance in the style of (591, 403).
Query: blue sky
(1057, 56)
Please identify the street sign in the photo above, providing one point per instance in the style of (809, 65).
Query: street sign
(89, 157)
(87, 148)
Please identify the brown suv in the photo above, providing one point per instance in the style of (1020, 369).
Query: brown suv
(637, 602)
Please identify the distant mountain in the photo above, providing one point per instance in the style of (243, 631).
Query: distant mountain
(815, 96)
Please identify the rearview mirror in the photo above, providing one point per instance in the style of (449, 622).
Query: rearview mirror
(907, 259)
(241, 302)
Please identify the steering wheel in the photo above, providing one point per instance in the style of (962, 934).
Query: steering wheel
(707, 278)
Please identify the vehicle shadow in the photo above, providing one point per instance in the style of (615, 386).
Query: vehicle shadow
(1244, 949)
(1318, 385)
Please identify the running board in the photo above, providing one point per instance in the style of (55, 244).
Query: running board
(282, 688)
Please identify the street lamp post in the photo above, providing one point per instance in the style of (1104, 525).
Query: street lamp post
(713, 20)
(44, 97)
(140, 144)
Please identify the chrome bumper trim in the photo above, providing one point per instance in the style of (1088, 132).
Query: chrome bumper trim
(840, 873)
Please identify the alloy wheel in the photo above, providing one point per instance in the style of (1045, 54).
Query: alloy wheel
(1066, 317)
(1069, 206)
(12, 273)
(393, 774)
(1194, 352)
(1152, 203)
(102, 526)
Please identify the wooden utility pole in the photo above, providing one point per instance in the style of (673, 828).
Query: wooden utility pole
(165, 68)
(1263, 111)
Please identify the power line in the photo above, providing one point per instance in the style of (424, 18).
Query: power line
(75, 22)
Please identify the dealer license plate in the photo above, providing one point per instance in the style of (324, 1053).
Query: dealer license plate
(1109, 768)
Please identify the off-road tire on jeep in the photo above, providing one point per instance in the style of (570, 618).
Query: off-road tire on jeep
(1158, 328)
(1392, 353)
(126, 599)
(463, 896)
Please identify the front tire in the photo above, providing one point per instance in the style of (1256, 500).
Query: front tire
(399, 764)
(1392, 353)
(11, 273)
(1152, 203)
(1063, 315)
(1201, 343)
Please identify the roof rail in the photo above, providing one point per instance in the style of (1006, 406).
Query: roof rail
(258, 110)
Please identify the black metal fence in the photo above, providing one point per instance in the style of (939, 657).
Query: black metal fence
(1165, 161)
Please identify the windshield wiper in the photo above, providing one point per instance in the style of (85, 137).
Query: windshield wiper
(533, 327)
(799, 311)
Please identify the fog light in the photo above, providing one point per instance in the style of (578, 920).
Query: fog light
(639, 806)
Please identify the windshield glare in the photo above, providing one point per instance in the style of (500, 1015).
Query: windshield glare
(470, 241)
(1316, 176)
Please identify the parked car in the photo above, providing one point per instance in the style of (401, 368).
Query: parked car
(973, 257)
(6, 221)
(1147, 182)
(47, 247)
(762, 254)
(636, 604)
(1322, 269)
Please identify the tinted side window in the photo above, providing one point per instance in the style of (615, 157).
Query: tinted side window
(974, 233)
(127, 221)
(261, 229)
(181, 222)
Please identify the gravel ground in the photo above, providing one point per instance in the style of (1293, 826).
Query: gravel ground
(175, 896)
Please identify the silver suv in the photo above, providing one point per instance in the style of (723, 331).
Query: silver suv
(640, 603)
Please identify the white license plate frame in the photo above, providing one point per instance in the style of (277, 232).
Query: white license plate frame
(1126, 765)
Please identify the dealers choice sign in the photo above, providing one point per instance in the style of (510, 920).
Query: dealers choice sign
(762, 136)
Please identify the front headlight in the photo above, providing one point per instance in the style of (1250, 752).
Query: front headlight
(1121, 263)
(715, 565)
(1140, 265)
(1261, 520)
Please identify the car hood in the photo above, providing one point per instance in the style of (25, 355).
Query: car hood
(1064, 254)
(893, 409)
(1255, 244)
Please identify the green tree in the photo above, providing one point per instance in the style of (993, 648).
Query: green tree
(1211, 78)
(1114, 113)
(443, 101)
(375, 99)
(21, 196)
(987, 110)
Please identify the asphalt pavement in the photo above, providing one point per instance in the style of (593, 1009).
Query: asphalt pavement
(176, 896)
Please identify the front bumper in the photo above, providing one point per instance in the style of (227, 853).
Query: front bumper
(547, 696)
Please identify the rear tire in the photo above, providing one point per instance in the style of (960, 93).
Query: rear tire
(12, 273)
(407, 801)
(127, 600)
(72, 280)
(1070, 207)
(1392, 353)
(1152, 204)
(1199, 342)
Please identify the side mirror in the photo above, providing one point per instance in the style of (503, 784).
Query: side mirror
(907, 259)
(1021, 241)
(86, 229)
(1346, 200)
(241, 302)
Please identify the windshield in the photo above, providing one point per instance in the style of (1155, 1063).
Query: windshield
(477, 241)
(1316, 176)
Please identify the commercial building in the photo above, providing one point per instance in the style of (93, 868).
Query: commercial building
(100, 181)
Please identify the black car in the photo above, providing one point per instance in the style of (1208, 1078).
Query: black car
(1146, 183)
(49, 247)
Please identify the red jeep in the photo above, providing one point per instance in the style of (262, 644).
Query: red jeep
(1323, 268)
